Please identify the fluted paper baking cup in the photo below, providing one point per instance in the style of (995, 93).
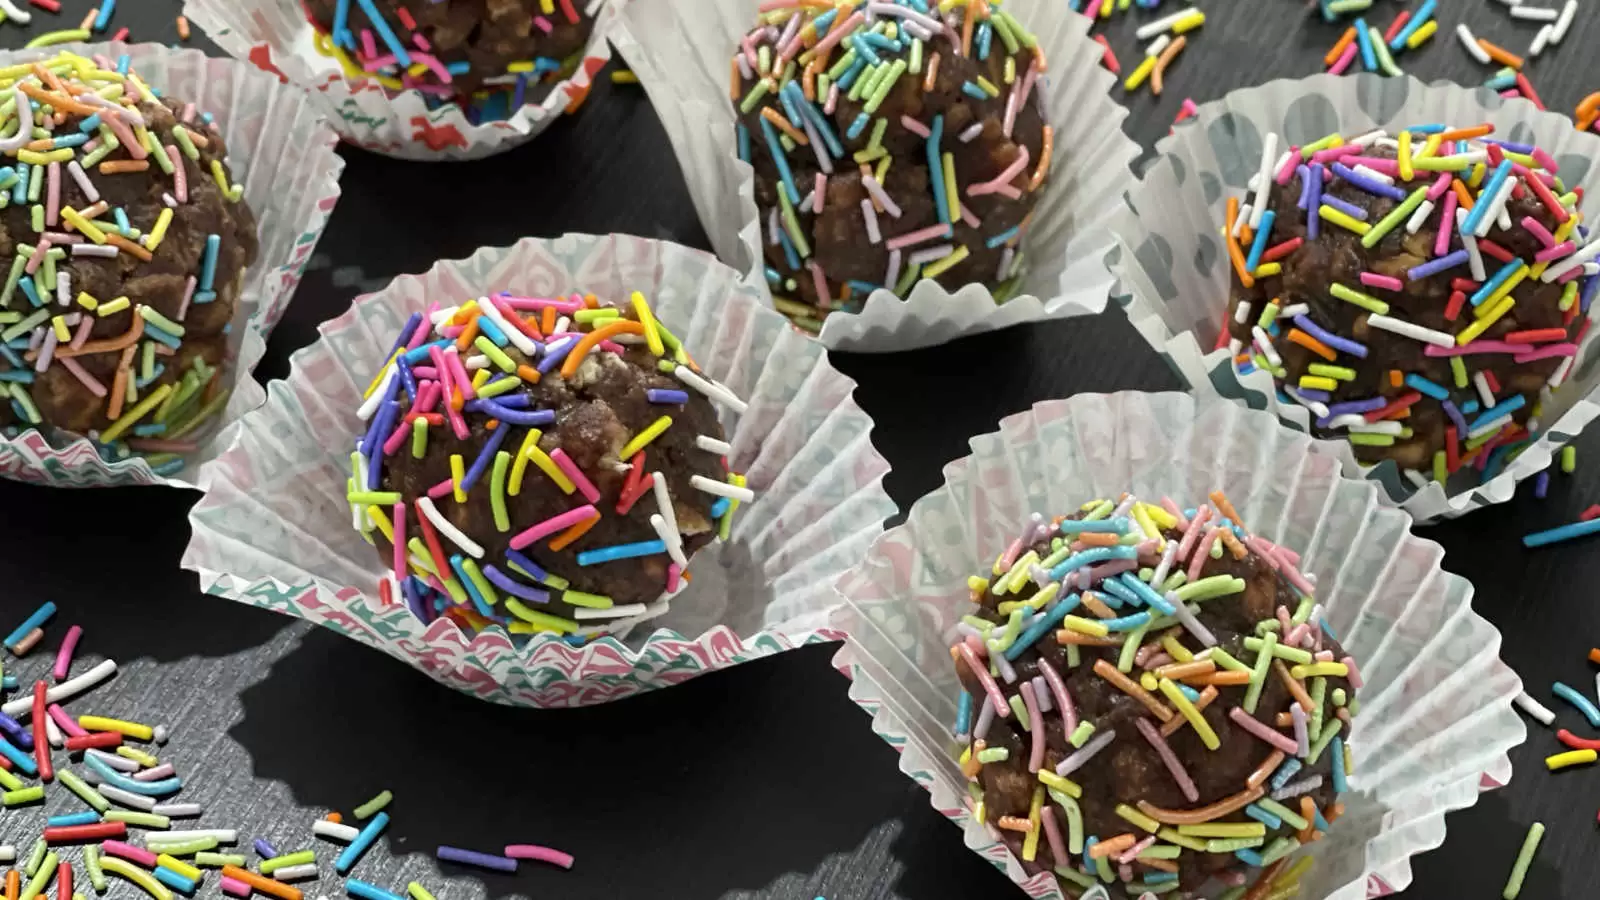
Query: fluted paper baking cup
(274, 528)
(1173, 271)
(283, 154)
(276, 36)
(1436, 718)
(680, 52)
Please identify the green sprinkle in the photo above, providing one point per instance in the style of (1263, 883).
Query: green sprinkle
(372, 807)
(1081, 733)
(304, 857)
(91, 862)
(41, 879)
(1258, 677)
(1376, 233)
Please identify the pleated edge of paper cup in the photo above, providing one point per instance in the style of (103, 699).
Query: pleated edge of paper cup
(334, 91)
(493, 643)
(891, 723)
(1212, 371)
(933, 315)
(39, 451)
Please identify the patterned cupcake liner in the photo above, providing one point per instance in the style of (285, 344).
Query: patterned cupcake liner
(276, 36)
(1436, 720)
(291, 185)
(1173, 274)
(680, 52)
(274, 529)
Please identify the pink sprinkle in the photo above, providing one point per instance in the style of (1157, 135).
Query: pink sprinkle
(561, 306)
(540, 854)
(369, 47)
(180, 178)
(233, 887)
(1031, 702)
(1332, 154)
(1069, 713)
(399, 542)
(545, 26)
(553, 524)
(82, 374)
(84, 327)
(1354, 676)
(1539, 231)
(67, 723)
(1546, 352)
(442, 490)
(673, 574)
(151, 445)
(932, 232)
(1266, 733)
(1003, 179)
(165, 770)
(1172, 509)
(374, 63)
(52, 207)
(1323, 656)
(1387, 282)
(188, 295)
(1441, 244)
(433, 64)
(1440, 185)
(1174, 765)
(1134, 851)
(915, 127)
(571, 470)
(1545, 255)
(1193, 533)
(130, 853)
(1545, 160)
(1511, 94)
(1052, 833)
(64, 655)
(819, 192)
(1286, 171)
(420, 41)
(39, 251)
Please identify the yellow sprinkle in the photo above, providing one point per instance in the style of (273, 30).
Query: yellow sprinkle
(652, 332)
(1471, 332)
(84, 227)
(1138, 818)
(1337, 670)
(1065, 785)
(1201, 727)
(133, 415)
(1139, 74)
(63, 333)
(1086, 626)
(131, 729)
(940, 266)
(952, 196)
(159, 231)
(112, 307)
(1342, 220)
(520, 465)
(643, 438)
(1570, 758)
(1224, 829)
(1030, 843)
(457, 473)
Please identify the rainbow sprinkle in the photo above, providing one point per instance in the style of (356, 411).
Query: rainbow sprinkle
(472, 374)
(1119, 586)
(53, 331)
(1491, 227)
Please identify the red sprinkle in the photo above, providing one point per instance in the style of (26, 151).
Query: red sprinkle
(1278, 251)
(1463, 284)
(405, 18)
(1523, 84)
(384, 597)
(1493, 382)
(99, 831)
(1108, 58)
(1575, 742)
(1402, 402)
(41, 742)
(1453, 308)
(627, 501)
(1398, 23)
(1536, 336)
(100, 740)
(1490, 248)
(1452, 449)
(51, 5)
(1589, 513)
(121, 35)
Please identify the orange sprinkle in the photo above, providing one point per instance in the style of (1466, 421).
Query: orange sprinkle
(1237, 256)
(469, 333)
(1225, 679)
(1068, 636)
(88, 20)
(1115, 845)
(1099, 539)
(734, 81)
(1131, 688)
(1162, 865)
(1231, 215)
(1178, 671)
(1204, 814)
(547, 321)
(562, 540)
(933, 74)
(1166, 57)
(335, 817)
(966, 31)
(1263, 885)
(1296, 689)
(528, 374)
(1500, 54)
(569, 366)
(1296, 336)
(771, 115)
(106, 345)
(60, 101)
(1097, 606)
(1463, 196)
(13, 877)
(128, 246)
(1467, 134)
(183, 28)
(1012, 823)
(1594, 654)
(1308, 810)
(1267, 767)
(1219, 501)
(1333, 55)
(119, 166)
(1043, 168)
(1396, 378)
(262, 883)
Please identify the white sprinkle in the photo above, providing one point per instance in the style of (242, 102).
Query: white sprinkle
(1303, 786)
(475, 362)
(1390, 427)
(1158, 45)
(1242, 314)
(371, 404)
(870, 215)
(126, 798)
(1420, 217)
(448, 530)
(711, 445)
(438, 316)
(334, 831)
(1535, 13)
(1541, 40)
(1264, 344)
(309, 870)
(1244, 214)
(711, 389)
(615, 612)
(1489, 427)
(671, 538)
(972, 132)
(1347, 420)
(664, 506)
(64, 691)
(1534, 708)
(1584, 254)
(1563, 23)
(1471, 43)
(1269, 153)
(1417, 479)
(163, 771)
(722, 489)
(177, 810)
(223, 836)
(1294, 309)
(517, 338)
(1560, 373)
(1374, 174)
(7, 853)
(116, 762)
(53, 734)
(1474, 257)
(1165, 23)
(1321, 409)
(1485, 396)
(1411, 330)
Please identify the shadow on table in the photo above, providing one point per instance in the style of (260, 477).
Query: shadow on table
(108, 558)
(751, 772)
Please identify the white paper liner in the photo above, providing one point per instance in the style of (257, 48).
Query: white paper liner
(284, 156)
(275, 35)
(274, 529)
(680, 52)
(1171, 261)
(1436, 717)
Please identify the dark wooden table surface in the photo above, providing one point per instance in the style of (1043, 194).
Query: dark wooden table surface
(765, 781)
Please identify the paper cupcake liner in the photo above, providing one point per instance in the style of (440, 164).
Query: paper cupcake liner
(290, 184)
(276, 36)
(274, 529)
(1173, 273)
(680, 52)
(1436, 718)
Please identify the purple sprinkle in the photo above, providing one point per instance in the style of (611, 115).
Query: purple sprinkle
(1435, 266)
(515, 416)
(474, 858)
(1454, 413)
(1332, 340)
(527, 565)
(1317, 396)
(19, 735)
(1304, 174)
(554, 353)
(1588, 293)
(481, 464)
(264, 849)
(1357, 406)
(1508, 145)
(660, 395)
(414, 601)
(504, 583)
(1314, 221)
(1541, 485)
(1346, 207)
(1370, 185)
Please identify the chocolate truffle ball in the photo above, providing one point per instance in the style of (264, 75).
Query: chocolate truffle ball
(1420, 304)
(453, 49)
(127, 260)
(1152, 698)
(890, 146)
(550, 465)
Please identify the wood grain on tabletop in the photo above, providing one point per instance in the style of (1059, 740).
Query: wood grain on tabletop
(787, 794)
